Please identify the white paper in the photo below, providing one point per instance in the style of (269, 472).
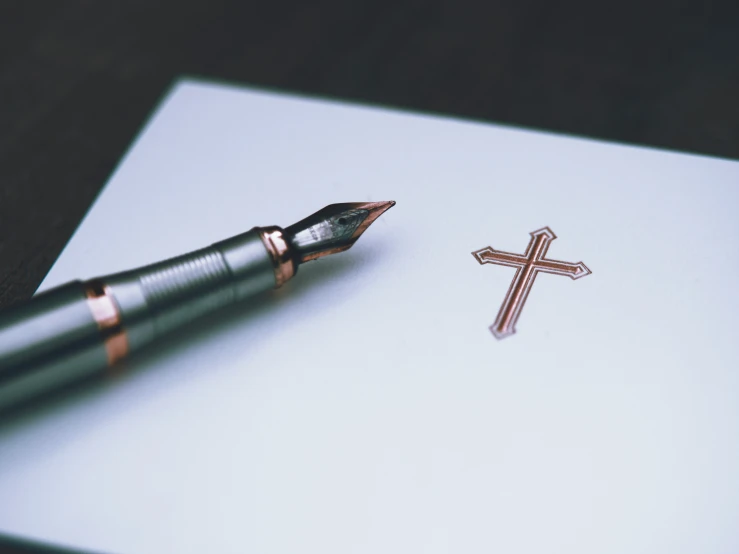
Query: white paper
(366, 407)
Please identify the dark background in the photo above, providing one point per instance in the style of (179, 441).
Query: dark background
(78, 78)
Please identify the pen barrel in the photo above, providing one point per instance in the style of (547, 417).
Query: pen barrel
(75, 330)
(48, 342)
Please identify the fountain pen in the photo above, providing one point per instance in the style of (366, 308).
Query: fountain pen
(78, 329)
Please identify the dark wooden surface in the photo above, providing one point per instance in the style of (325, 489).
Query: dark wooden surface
(79, 77)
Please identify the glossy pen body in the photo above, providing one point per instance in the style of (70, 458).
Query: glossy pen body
(73, 331)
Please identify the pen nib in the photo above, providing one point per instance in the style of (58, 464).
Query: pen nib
(333, 229)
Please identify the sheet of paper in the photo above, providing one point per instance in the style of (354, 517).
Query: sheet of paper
(366, 407)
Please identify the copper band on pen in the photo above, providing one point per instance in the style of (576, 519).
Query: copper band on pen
(108, 318)
(278, 248)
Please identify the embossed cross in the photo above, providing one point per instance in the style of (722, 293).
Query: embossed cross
(527, 267)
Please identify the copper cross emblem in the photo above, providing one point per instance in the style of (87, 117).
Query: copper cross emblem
(527, 267)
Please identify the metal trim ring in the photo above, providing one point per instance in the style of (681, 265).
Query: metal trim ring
(106, 314)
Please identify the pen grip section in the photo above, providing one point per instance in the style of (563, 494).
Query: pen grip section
(158, 298)
(182, 289)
